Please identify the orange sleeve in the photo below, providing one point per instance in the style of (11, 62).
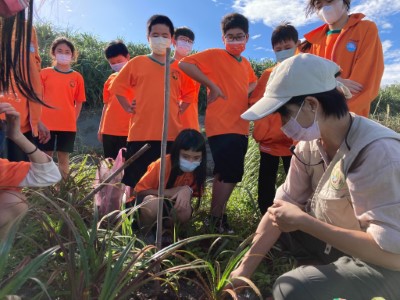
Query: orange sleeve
(252, 75)
(259, 90)
(150, 179)
(188, 89)
(123, 84)
(367, 70)
(80, 95)
(106, 92)
(12, 173)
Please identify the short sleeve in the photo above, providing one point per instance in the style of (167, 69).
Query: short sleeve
(80, 95)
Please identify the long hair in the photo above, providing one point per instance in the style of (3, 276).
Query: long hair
(15, 35)
(189, 139)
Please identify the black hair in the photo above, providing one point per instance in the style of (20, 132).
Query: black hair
(189, 139)
(63, 40)
(184, 31)
(16, 34)
(333, 103)
(116, 48)
(234, 20)
(284, 32)
(311, 6)
(160, 19)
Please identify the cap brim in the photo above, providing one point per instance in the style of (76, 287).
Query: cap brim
(263, 108)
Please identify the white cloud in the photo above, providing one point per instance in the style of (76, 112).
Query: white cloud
(254, 37)
(386, 45)
(391, 74)
(272, 12)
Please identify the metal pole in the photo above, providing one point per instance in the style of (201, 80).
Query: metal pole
(163, 151)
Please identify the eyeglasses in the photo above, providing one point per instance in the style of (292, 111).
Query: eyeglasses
(231, 38)
(185, 39)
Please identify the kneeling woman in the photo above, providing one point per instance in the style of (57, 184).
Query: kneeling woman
(185, 174)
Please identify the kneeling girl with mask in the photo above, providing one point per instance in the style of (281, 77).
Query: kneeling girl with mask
(185, 174)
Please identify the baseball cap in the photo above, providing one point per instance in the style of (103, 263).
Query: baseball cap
(302, 74)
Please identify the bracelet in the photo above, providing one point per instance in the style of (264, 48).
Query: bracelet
(34, 150)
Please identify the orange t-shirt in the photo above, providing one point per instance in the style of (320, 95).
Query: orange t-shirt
(145, 77)
(61, 91)
(267, 131)
(190, 117)
(331, 37)
(12, 173)
(358, 52)
(233, 78)
(30, 112)
(150, 180)
(115, 120)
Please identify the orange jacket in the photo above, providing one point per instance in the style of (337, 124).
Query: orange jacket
(267, 131)
(358, 52)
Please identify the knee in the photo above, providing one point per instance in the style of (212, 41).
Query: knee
(289, 286)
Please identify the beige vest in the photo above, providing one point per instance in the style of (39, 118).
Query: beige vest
(332, 201)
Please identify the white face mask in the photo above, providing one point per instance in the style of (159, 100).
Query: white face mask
(159, 45)
(117, 67)
(284, 54)
(295, 131)
(183, 47)
(187, 165)
(63, 59)
(330, 14)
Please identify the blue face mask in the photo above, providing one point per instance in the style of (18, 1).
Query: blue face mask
(187, 165)
(284, 54)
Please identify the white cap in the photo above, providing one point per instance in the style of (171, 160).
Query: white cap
(302, 74)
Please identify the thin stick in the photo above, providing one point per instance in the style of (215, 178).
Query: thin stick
(163, 151)
(119, 170)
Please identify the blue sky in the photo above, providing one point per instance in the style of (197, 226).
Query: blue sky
(127, 19)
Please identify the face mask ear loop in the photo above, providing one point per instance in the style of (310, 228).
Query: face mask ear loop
(301, 106)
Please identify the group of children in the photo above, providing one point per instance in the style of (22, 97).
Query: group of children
(133, 97)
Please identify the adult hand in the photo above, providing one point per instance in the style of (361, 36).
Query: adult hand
(352, 85)
(214, 93)
(182, 198)
(286, 216)
(44, 133)
(13, 121)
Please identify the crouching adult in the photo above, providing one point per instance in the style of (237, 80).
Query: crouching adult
(343, 189)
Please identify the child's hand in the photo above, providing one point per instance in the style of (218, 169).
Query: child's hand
(183, 197)
(44, 133)
(100, 136)
(352, 85)
(214, 93)
(13, 121)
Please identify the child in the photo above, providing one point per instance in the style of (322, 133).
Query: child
(185, 174)
(229, 79)
(144, 75)
(26, 102)
(114, 123)
(40, 171)
(267, 132)
(354, 44)
(65, 91)
(183, 43)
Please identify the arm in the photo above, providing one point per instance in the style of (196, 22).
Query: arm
(265, 237)
(252, 86)
(78, 108)
(288, 217)
(194, 72)
(14, 134)
(128, 107)
(99, 133)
